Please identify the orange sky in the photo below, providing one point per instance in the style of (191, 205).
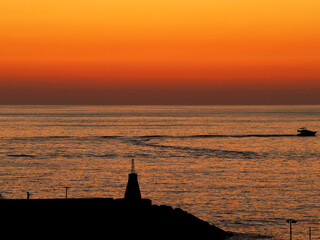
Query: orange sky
(160, 51)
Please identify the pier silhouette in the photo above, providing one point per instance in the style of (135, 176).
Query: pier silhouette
(131, 216)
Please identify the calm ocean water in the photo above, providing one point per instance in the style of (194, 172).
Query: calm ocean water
(241, 168)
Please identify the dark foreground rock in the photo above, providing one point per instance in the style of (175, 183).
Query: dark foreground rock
(101, 218)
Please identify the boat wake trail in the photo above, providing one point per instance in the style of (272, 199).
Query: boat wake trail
(147, 137)
(244, 136)
(220, 136)
(200, 152)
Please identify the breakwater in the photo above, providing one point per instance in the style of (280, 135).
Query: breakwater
(103, 218)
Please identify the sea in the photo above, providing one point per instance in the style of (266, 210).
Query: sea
(241, 168)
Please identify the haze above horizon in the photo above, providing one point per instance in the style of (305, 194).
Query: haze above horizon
(160, 52)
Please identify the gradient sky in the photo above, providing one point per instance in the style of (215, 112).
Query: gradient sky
(160, 52)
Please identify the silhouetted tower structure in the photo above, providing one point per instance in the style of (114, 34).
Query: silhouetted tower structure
(133, 189)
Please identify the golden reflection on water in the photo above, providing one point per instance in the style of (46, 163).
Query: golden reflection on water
(201, 159)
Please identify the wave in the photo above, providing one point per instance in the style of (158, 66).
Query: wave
(248, 236)
(43, 138)
(110, 137)
(59, 136)
(21, 155)
(35, 138)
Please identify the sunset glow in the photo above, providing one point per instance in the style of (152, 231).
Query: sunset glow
(168, 46)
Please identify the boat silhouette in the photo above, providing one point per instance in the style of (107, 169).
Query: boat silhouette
(305, 132)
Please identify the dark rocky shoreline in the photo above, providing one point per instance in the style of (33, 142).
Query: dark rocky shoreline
(98, 217)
